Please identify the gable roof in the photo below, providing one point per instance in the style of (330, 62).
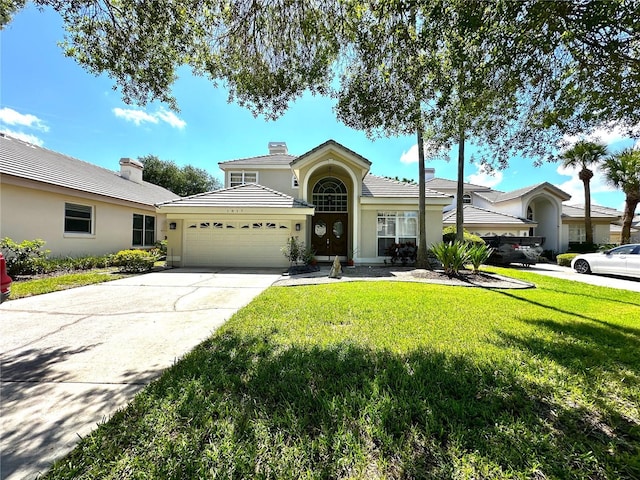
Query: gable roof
(23, 160)
(331, 143)
(438, 184)
(247, 195)
(275, 159)
(496, 196)
(375, 186)
(577, 211)
(476, 216)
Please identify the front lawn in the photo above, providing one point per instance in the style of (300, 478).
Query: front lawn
(393, 380)
(54, 283)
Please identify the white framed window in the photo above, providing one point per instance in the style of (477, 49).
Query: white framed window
(294, 182)
(577, 233)
(78, 218)
(144, 230)
(466, 199)
(330, 195)
(396, 227)
(240, 178)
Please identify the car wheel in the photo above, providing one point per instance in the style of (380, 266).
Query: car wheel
(582, 266)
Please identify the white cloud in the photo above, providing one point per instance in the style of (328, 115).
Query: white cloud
(485, 178)
(431, 152)
(25, 137)
(606, 134)
(575, 187)
(9, 116)
(140, 116)
(172, 119)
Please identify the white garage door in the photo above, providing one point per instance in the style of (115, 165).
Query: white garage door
(253, 243)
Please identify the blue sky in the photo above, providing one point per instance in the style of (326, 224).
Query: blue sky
(48, 100)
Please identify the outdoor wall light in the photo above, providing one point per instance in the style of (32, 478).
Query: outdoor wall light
(297, 227)
(172, 226)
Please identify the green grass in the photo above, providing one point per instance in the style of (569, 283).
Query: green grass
(393, 380)
(27, 288)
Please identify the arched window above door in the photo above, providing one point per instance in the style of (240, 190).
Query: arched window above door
(330, 195)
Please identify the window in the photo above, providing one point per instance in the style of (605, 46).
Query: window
(78, 218)
(330, 195)
(466, 199)
(144, 230)
(577, 233)
(396, 227)
(240, 178)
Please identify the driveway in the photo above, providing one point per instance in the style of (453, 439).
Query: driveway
(70, 359)
(566, 273)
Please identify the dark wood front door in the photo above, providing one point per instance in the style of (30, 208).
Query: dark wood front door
(329, 234)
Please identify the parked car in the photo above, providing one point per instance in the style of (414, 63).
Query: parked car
(506, 249)
(5, 280)
(623, 260)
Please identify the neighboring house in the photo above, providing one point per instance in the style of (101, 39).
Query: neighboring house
(531, 211)
(325, 197)
(77, 208)
(603, 221)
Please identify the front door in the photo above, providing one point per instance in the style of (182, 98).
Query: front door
(329, 234)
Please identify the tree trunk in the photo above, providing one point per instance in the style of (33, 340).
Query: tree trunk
(630, 205)
(422, 259)
(585, 176)
(460, 189)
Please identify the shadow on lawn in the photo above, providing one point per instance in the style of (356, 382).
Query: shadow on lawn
(244, 407)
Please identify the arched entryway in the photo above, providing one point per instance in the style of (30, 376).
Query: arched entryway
(331, 219)
(546, 213)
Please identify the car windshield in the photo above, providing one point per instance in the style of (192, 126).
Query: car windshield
(624, 250)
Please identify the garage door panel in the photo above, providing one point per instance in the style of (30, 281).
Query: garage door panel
(212, 244)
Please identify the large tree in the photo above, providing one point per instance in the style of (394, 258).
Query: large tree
(583, 155)
(183, 181)
(623, 172)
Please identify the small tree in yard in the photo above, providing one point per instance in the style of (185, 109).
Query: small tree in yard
(293, 250)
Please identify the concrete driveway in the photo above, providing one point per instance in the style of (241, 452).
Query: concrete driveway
(70, 359)
(566, 273)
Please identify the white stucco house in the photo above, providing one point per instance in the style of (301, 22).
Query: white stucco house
(326, 197)
(76, 207)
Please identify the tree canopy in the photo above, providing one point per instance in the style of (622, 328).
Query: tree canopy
(183, 181)
(623, 171)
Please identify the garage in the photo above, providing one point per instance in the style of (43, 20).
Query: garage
(243, 226)
(244, 243)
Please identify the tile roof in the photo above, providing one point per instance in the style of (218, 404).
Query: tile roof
(375, 186)
(335, 144)
(475, 215)
(437, 183)
(496, 196)
(247, 195)
(23, 160)
(577, 211)
(276, 159)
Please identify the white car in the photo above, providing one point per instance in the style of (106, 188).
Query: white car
(623, 260)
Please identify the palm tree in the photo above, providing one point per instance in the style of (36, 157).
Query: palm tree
(582, 155)
(623, 172)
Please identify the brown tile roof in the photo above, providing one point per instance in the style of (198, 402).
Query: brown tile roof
(23, 160)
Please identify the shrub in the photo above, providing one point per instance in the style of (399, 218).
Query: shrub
(449, 236)
(478, 254)
(159, 250)
(575, 247)
(452, 255)
(25, 258)
(294, 250)
(134, 261)
(564, 259)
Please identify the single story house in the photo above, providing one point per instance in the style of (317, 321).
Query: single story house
(326, 197)
(76, 207)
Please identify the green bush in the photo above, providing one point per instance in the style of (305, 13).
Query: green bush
(452, 255)
(25, 258)
(478, 254)
(564, 259)
(449, 236)
(134, 261)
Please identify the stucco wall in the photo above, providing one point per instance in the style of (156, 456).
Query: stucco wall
(27, 214)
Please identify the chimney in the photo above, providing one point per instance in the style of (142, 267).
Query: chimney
(278, 148)
(429, 173)
(131, 170)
